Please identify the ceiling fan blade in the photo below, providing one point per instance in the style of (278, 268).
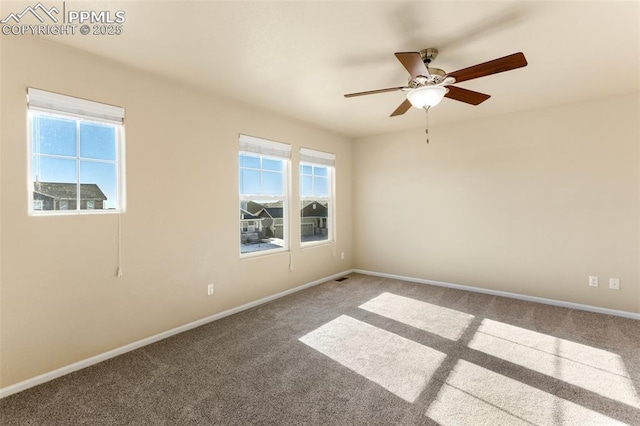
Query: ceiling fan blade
(465, 95)
(404, 107)
(373, 92)
(507, 63)
(412, 61)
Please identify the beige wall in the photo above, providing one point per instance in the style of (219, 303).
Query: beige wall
(60, 299)
(531, 203)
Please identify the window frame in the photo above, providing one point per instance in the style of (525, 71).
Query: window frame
(47, 104)
(309, 157)
(264, 148)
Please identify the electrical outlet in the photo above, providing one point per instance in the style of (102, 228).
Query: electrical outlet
(614, 283)
(209, 289)
(593, 281)
(342, 255)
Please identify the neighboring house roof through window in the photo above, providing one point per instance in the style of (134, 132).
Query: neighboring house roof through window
(245, 215)
(272, 212)
(69, 191)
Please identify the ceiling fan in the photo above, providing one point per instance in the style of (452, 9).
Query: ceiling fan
(427, 85)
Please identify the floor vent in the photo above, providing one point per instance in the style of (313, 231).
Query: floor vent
(341, 279)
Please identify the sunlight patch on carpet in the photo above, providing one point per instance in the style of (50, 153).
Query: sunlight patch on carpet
(580, 365)
(444, 322)
(400, 365)
(472, 393)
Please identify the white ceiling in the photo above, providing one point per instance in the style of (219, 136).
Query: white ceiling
(298, 58)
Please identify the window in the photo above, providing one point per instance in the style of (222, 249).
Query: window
(263, 179)
(76, 154)
(316, 196)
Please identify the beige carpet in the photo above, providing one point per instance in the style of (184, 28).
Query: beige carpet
(366, 350)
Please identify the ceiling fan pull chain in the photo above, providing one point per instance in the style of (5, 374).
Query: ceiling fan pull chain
(426, 110)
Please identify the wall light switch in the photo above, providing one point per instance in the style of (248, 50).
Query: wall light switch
(209, 289)
(593, 281)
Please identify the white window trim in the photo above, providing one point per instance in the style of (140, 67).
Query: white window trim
(324, 159)
(279, 151)
(47, 103)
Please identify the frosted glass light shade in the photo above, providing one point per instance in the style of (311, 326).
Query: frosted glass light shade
(426, 96)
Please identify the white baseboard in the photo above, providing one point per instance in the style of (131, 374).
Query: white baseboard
(543, 300)
(46, 377)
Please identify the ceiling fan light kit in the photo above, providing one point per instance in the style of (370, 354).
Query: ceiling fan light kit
(426, 96)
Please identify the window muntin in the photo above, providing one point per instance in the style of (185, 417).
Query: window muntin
(76, 151)
(316, 197)
(263, 188)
